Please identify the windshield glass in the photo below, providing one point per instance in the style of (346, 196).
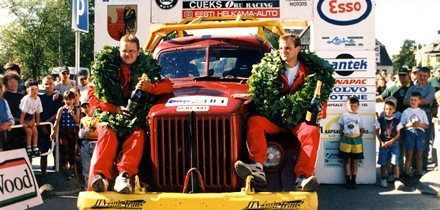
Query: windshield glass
(222, 62)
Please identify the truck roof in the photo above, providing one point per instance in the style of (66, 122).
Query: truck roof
(201, 23)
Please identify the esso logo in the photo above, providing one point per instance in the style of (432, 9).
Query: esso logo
(344, 12)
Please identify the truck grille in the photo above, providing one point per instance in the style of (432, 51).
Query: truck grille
(216, 152)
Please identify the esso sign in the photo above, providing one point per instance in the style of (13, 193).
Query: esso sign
(344, 12)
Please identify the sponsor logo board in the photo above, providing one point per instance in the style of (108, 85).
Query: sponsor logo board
(344, 25)
(18, 186)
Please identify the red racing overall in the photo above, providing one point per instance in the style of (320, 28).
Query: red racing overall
(308, 135)
(103, 159)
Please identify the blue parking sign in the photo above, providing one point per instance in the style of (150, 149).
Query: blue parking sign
(80, 15)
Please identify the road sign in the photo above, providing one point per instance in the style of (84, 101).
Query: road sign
(80, 15)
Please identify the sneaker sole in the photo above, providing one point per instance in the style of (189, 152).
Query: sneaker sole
(244, 172)
(399, 187)
(99, 185)
(125, 190)
(311, 185)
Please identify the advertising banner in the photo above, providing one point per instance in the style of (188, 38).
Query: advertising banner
(18, 187)
(115, 18)
(344, 25)
(172, 11)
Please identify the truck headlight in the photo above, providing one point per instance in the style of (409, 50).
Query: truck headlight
(274, 156)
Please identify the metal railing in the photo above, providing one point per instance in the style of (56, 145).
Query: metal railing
(57, 139)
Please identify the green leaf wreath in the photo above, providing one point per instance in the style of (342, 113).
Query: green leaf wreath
(105, 70)
(289, 110)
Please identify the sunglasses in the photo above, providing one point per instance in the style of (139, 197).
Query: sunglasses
(82, 79)
(64, 73)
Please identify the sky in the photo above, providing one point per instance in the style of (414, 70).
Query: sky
(396, 20)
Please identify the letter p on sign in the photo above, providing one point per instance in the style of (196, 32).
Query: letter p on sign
(80, 15)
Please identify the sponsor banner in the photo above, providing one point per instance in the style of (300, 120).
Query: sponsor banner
(363, 97)
(258, 9)
(341, 106)
(330, 128)
(257, 13)
(115, 18)
(197, 101)
(329, 169)
(18, 186)
(192, 108)
(172, 11)
(342, 25)
(351, 64)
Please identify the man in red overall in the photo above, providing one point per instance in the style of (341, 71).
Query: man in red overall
(103, 159)
(258, 126)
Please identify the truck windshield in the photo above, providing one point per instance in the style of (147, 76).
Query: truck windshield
(222, 62)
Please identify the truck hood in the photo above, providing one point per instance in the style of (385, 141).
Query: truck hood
(203, 97)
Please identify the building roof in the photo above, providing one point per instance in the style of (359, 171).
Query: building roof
(385, 59)
(434, 47)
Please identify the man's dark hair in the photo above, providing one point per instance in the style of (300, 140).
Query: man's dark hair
(390, 103)
(130, 38)
(353, 100)
(12, 67)
(295, 37)
(416, 94)
(10, 75)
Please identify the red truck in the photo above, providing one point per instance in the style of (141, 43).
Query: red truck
(197, 134)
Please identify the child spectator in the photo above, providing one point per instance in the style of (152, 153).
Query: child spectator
(89, 135)
(6, 120)
(350, 147)
(31, 108)
(388, 132)
(415, 120)
(67, 117)
(50, 108)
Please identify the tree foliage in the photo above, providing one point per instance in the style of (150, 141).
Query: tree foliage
(40, 36)
(406, 55)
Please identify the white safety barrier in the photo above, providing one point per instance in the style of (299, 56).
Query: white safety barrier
(57, 154)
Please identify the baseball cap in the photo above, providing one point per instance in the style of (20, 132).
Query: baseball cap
(84, 101)
(83, 74)
(392, 99)
(416, 68)
(64, 69)
(402, 70)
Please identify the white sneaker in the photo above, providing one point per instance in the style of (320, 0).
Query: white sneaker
(306, 184)
(398, 185)
(384, 183)
(100, 184)
(390, 178)
(122, 183)
(255, 169)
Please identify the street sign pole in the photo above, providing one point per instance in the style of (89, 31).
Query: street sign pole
(80, 22)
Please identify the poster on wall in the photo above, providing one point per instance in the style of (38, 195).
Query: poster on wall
(344, 25)
(115, 18)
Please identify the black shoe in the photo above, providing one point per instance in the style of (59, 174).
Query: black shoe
(36, 153)
(67, 174)
(30, 154)
(353, 185)
(348, 185)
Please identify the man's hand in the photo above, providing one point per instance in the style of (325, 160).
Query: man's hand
(319, 117)
(245, 96)
(123, 110)
(55, 96)
(142, 85)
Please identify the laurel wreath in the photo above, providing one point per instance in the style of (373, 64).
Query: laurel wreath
(289, 110)
(105, 70)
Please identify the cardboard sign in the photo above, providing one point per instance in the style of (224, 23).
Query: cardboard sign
(18, 186)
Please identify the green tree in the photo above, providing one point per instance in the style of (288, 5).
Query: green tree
(406, 55)
(40, 37)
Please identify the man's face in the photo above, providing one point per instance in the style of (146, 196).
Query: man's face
(83, 81)
(128, 52)
(414, 76)
(48, 85)
(65, 75)
(288, 50)
(423, 77)
(403, 78)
